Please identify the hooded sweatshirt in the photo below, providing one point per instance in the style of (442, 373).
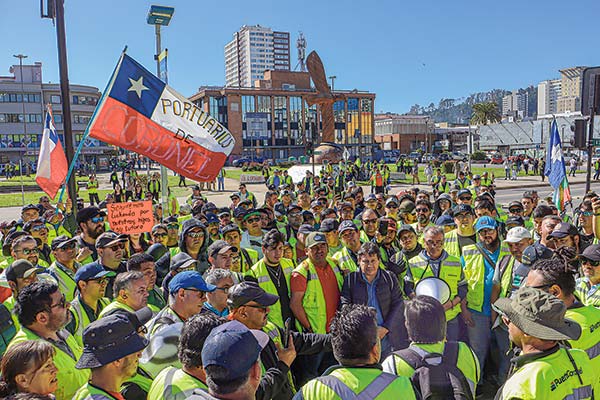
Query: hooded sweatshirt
(163, 264)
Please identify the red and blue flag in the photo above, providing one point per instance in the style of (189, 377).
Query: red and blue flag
(556, 171)
(52, 164)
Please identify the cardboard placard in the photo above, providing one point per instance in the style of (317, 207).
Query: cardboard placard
(249, 178)
(131, 217)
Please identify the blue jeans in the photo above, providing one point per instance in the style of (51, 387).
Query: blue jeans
(453, 329)
(503, 343)
(221, 184)
(480, 336)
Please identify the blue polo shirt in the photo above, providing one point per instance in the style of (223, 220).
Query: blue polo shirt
(372, 296)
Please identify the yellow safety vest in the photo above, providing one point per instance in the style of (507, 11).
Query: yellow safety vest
(588, 317)
(552, 376)
(174, 384)
(259, 271)
(114, 305)
(70, 379)
(81, 318)
(358, 383)
(474, 270)
(313, 301)
(450, 271)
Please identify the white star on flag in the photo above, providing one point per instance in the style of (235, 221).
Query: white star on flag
(137, 86)
(556, 153)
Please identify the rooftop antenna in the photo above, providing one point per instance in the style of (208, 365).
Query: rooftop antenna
(301, 46)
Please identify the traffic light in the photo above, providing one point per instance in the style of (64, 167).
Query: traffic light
(579, 129)
(309, 148)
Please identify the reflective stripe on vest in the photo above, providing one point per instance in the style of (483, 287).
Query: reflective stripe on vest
(168, 390)
(593, 351)
(373, 389)
(313, 300)
(451, 243)
(474, 270)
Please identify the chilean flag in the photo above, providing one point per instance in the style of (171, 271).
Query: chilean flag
(140, 113)
(52, 164)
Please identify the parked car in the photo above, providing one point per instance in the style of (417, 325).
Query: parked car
(497, 159)
(248, 160)
(459, 156)
(443, 157)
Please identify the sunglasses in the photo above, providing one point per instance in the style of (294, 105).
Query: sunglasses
(392, 205)
(465, 198)
(69, 246)
(62, 303)
(422, 210)
(256, 219)
(224, 289)
(116, 247)
(587, 213)
(515, 210)
(27, 252)
(160, 235)
(96, 220)
(590, 262)
(195, 234)
(39, 228)
(462, 216)
(173, 226)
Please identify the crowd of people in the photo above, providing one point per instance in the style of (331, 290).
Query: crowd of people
(319, 291)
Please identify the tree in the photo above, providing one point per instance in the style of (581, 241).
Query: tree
(485, 113)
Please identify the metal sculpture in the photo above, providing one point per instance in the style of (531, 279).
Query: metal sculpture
(324, 99)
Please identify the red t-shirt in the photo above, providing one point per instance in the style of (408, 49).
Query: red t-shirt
(329, 283)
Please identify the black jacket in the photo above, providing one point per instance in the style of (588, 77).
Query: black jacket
(354, 291)
(274, 383)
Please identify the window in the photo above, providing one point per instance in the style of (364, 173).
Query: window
(81, 119)
(55, 99)
(85, 100)
(58, 118)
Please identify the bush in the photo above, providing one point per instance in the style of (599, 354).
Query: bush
(478, 156)
(449, 167)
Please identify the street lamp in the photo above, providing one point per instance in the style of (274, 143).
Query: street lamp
(333, 78)
(21, 57)
(160, 16)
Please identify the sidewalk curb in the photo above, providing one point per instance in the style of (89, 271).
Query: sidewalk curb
(532, 185)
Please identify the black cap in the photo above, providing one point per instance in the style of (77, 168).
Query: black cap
(535, 252)
(591, 253)
(21, 269)
(279, 209)
(246, 292)
(515, 204)
(219, 247)
(462, 208)
(329, 225)
(107, 239)
(230, 228)
(515, 221)
(60, 241)
(305, 229)
(564, 229)
(87, 213)
(406, 227)
(157, 250)
(30, 207)
(345, 225)
(239, 212)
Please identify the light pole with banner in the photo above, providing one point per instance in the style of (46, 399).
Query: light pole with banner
(161, 16)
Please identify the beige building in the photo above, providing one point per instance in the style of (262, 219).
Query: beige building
(548, 93)
(570, 90)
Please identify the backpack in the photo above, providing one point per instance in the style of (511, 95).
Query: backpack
(437, 382)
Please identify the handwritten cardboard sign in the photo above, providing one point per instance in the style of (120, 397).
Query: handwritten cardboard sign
(131, 217)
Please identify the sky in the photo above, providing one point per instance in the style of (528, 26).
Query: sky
(405, 52)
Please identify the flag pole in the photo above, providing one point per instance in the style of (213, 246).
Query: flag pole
(87, 129)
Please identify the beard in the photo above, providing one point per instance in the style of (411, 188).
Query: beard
(94, 233)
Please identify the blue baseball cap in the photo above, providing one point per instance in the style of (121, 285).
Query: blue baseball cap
(212, 219)
(445, 220)
(485, 222)
(92, 271)
(190, 280)
(233, 347)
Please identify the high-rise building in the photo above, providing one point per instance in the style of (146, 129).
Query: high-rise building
(254, 50)
(515, 105)
(548, 93)
(570, 90)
